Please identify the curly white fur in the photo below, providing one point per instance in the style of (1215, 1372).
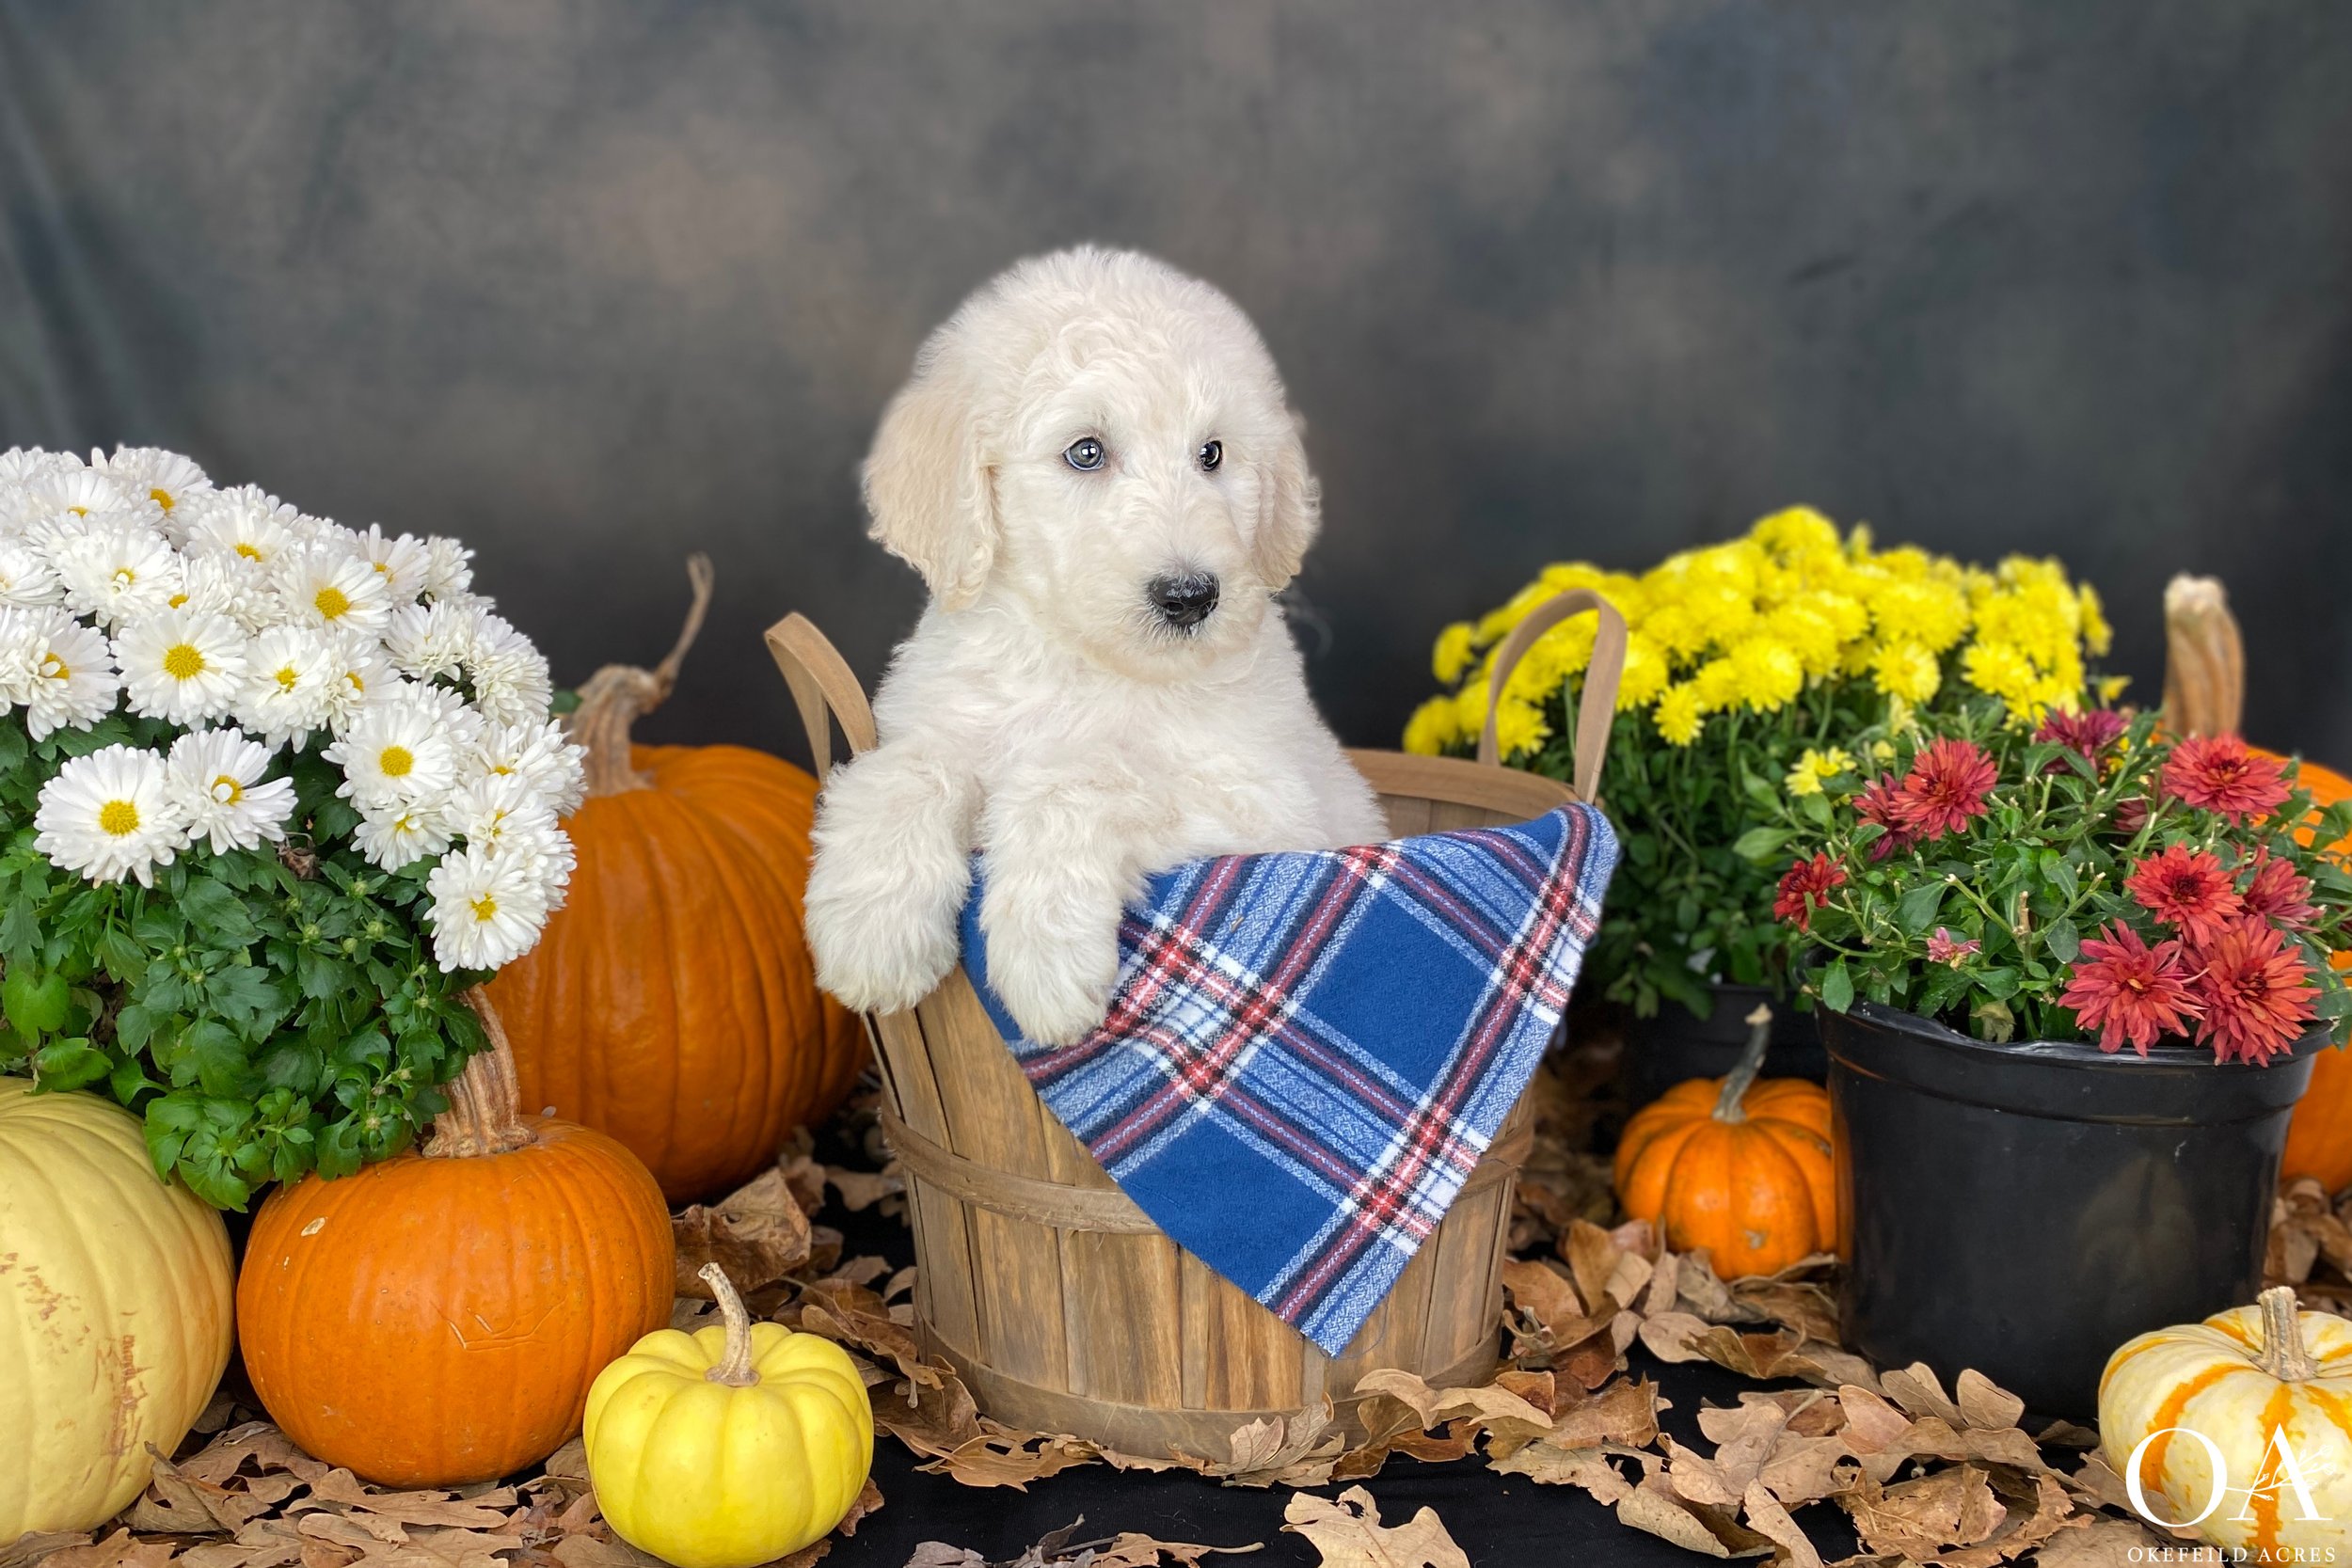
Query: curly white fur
(1043, 711)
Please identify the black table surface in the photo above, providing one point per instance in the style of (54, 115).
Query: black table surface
(1497, 1519)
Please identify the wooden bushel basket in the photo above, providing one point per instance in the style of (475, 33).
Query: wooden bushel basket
(1063, 1306)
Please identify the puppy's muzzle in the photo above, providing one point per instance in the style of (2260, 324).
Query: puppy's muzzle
(1183, 602)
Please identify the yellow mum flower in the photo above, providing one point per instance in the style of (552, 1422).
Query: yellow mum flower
(1933, 614)
(1433, 726)
(1674, 630)
(1814, 767)
(2111, 686)
(1452, 653)
(1808, 633)
(1768, 672)
(1882, 751)
(1908, 670)
(1716, 686)
(1469, 707)
(1645, 672)
(1679, 715)
(1998, 668)
(1518, 727)
(1796, 531)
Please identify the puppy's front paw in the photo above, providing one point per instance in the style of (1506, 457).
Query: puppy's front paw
(876, 949)
(1056, 986)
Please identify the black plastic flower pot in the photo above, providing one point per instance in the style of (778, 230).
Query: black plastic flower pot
(1663, 1050)
(2024, 1209)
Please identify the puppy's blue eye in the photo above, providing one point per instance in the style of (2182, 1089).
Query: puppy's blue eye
(1084, 454)
(1210, 455)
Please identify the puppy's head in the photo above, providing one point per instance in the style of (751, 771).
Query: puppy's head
(1100, 444)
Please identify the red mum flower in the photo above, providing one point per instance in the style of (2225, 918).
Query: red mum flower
(2188, 891)
(2089, 732)
(1806, 887)
(2256, 991)
(2128, 990)
(2218, 773)
(1881, 801)
(2279, 894)
(2131, 816)
(1946, 786)
(1942, 949)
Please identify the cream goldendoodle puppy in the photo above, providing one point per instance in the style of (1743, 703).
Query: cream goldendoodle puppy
(1095, 472)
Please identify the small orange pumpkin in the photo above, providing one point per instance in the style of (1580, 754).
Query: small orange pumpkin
(1736, 1166)
(2204, 693)
(436, 1319)
(672, 1001)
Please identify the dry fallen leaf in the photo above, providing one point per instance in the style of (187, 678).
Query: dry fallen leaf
(1348, 1533)
(757, 1233)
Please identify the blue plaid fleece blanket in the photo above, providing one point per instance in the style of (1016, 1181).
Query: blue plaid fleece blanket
(1306, 1054)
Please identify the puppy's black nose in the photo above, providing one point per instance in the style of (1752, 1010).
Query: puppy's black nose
(1184, 601)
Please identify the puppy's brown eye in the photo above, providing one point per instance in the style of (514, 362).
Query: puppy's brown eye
(1084, 454)
(1210, 455)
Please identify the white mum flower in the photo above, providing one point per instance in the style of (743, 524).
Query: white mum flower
(226, 585)
(429, 640)
(109, 815)
(291, 674)
(398, 752)
(323, 585)
(501, 811)
(214, 781)
(448, 567)
(61, 671)
(457, 718)
(25, 576)
(487, 910)
(553, 765)
(395, 835)
(400, 560)
(362, 677)
(181, 665)
(114, 571)
(165, 478)
(88, 492)
(22, 466)
(510, 680)
(247, 522)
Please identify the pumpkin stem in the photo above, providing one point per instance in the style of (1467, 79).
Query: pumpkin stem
(484, 1115)
(616, 696)
(735, 1367)
(2204, 659)
(1728, 1107)
(2284, 1355)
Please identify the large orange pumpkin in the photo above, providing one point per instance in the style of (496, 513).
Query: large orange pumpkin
(672, 1001)
(437, 1318)
(1734, 1165)
(2204, 693)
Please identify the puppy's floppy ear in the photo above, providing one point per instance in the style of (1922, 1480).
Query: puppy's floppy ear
(1290, 512)
(928, 485)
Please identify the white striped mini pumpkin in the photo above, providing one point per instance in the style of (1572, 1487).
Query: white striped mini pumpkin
(2181, 1403)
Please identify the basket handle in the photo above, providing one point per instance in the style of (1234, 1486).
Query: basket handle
(1600, 705)
(821, 683)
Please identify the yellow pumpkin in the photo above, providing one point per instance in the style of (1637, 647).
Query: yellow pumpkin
(2237, 1393)
(114, 1298)
(728, 1446)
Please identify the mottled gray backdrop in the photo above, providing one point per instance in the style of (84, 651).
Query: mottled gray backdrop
(593, 284)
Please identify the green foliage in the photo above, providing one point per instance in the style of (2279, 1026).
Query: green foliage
(1705, 830)
(266, 1013)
